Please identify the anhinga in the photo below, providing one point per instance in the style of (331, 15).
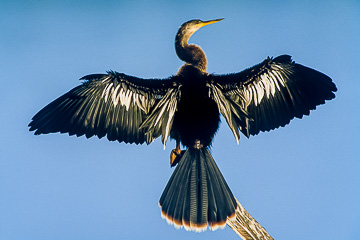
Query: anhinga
(187, 108)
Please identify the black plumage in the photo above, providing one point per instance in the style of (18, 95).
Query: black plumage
(202, 198)
(187, 107)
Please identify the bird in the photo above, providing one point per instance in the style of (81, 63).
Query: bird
(187, 107)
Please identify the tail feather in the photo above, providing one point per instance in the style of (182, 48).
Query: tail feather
(197, 195)
(220, 196)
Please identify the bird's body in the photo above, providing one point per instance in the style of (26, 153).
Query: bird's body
(187, 108)
(197, 116)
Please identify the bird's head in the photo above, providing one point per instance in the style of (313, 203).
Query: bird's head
(192, 53)
(190, 27)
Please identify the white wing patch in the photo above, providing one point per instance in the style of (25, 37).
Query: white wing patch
(115, 98)
(124, 97)
(225, 108)
(160, 120)
(168, 107)
(106, 91)
(267, 85)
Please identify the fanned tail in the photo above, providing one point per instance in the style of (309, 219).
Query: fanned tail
(197, 194)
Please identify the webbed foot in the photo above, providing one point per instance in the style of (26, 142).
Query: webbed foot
(175, 155)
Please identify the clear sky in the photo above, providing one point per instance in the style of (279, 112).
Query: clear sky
(300, 182)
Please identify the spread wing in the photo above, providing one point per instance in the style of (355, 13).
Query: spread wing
(269, 94)
(113, 104)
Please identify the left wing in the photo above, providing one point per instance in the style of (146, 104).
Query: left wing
(269, 94)
(112, 104)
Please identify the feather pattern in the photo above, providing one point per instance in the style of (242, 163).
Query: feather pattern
(197, 195)
(112, 104)
(159, 122)
(269, 94)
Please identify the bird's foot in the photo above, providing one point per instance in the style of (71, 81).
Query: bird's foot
(175, 156)
(198, 144)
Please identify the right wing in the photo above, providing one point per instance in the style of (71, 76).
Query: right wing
(268, 95)
(112, 104)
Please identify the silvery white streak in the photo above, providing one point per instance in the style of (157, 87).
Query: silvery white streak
(106, 91)
(115, 96)
(224, 108)
(171, 109)
(260, 93)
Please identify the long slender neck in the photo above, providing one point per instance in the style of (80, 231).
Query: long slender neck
(191, 54)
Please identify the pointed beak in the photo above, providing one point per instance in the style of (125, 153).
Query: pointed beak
(211, 22)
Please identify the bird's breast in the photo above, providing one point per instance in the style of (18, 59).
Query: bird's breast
(197, 116)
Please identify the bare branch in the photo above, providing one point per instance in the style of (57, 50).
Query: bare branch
(246, 226)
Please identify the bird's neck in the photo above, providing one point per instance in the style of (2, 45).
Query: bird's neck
(190, 53)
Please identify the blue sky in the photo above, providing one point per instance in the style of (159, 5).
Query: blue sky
(299, 182)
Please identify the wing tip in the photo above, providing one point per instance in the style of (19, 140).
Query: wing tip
(91, 77)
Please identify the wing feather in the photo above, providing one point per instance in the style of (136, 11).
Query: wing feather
(112, 104)
(269, 94)
(160, 120)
